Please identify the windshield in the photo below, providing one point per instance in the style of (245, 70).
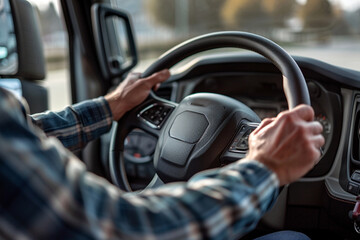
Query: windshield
(327, 30)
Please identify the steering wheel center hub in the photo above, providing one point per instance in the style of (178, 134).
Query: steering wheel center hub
(189, 126)
(197, 133)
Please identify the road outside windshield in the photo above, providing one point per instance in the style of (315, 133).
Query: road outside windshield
(328, 30)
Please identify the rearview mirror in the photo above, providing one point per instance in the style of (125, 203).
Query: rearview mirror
(115, 44)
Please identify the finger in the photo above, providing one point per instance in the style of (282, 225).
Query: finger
(263, 124)
(318, 141)
(315, 127)
(305, 112)
(156, 86)
(133, 76)
(136, 74)
(158, 77)
(318, 152)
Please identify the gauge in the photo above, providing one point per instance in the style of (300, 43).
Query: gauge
(325, 123)
(139, 146)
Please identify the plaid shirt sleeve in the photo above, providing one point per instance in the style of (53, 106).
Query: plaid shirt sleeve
(76, 125)
(46, 193)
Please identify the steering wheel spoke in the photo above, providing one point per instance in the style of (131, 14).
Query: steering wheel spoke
(153, 116)
(150, 116)
(155, 182)
(240, 144)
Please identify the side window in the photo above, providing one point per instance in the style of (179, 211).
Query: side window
(55, 42)
(8, 48)
(301, 26)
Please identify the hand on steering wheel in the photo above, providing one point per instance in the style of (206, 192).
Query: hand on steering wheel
(133, 91)
(280, 142)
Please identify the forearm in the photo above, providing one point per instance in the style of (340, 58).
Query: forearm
(222, 205)
(76, 125)
(219, 204)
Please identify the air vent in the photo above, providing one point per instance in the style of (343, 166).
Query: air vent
(355, 146)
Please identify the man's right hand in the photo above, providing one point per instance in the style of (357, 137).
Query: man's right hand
(289, 144)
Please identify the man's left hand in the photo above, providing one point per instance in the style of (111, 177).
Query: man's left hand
(133, 91)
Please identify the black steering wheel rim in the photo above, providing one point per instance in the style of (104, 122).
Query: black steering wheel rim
(294, 84)
(293, 80)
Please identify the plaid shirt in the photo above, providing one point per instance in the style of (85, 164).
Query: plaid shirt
(46, 192)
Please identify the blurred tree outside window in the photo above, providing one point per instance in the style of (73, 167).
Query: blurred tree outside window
(247, 15)
(187, 16)
(316, 14)
(301, 26)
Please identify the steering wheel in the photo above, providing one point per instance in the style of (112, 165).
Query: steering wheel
(204, 130)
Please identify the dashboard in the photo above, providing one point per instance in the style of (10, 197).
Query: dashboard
(263, 93)
(260, 89)
(327, 193)
(256, 82)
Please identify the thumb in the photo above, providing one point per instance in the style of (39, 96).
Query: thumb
(156, 87)
(305, 112)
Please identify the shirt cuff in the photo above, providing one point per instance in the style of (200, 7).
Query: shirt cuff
(105, 105)
(95, 116)
(273, 177)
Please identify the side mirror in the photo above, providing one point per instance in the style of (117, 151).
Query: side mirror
(114, 40)
(21, 50)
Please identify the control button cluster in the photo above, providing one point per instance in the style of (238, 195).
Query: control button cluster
(353, 188)
(156, 114)
(241, 141)
(356, 176)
